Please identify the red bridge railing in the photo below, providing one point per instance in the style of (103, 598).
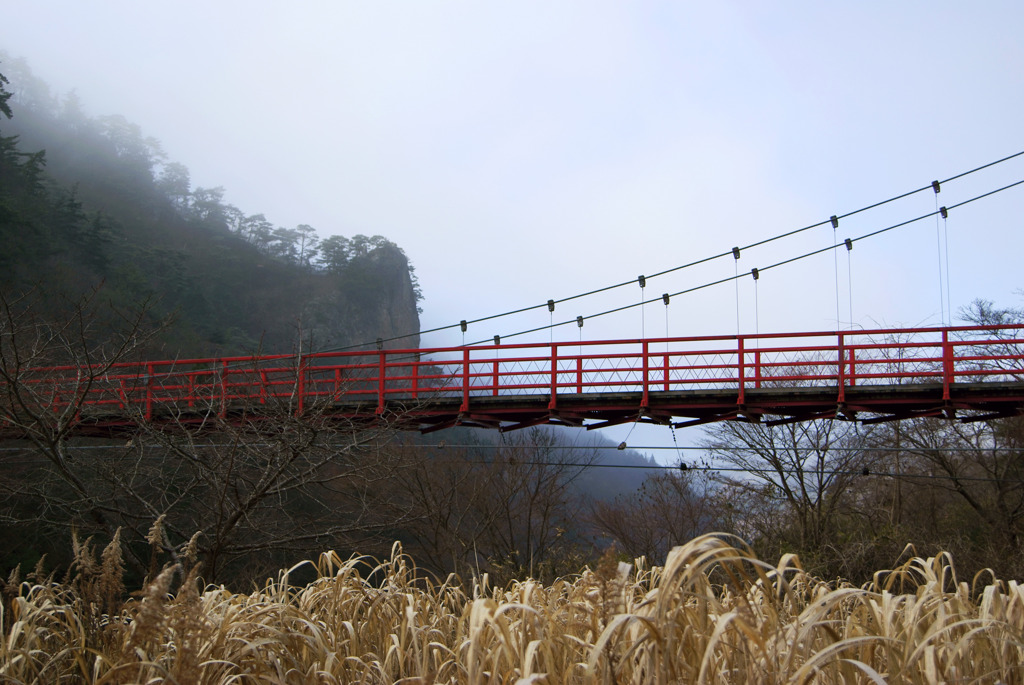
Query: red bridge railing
(554, 371)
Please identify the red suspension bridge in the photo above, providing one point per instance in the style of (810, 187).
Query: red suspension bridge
(963, 373)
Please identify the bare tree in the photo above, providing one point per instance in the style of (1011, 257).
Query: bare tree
(973, 464)
(954, 483)
(976, 470)
(246, 482)
(81, 346)
(507, 510)
(671, 508)
(255, 488)
(805, 468)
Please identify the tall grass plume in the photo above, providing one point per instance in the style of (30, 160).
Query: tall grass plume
(713, 613)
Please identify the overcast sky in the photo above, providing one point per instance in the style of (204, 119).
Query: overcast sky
(520, 151)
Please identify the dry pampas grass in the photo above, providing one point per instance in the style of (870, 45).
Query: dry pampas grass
(714, 613)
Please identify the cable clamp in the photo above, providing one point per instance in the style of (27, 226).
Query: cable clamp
(736, 253)
(551, 305)
(579, 321)
(849, 244)
(753, 272)
(936, 187)
(835, 221)
(642, 281)
(665, 298)
(463, 325)
(943, 212)
(497, 340)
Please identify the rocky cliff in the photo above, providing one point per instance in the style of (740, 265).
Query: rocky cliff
(374, 297)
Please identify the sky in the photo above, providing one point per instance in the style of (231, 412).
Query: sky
(525, 151)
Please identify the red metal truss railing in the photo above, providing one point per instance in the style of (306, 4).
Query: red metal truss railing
(555, 371)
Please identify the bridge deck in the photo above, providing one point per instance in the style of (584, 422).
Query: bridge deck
(864, 375)
(772, 406)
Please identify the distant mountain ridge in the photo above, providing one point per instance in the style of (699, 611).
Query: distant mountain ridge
(88, 200)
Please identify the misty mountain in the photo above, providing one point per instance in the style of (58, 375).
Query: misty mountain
(85, 200)
(613, 472)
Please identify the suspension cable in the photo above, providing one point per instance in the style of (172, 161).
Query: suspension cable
(704, 260)
(780, 263)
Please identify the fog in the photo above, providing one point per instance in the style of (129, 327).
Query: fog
(526, 151)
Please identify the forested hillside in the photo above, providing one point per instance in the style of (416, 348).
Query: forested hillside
(110, 241)
(87, 200)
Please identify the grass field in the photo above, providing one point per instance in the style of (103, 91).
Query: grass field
(712, 614)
